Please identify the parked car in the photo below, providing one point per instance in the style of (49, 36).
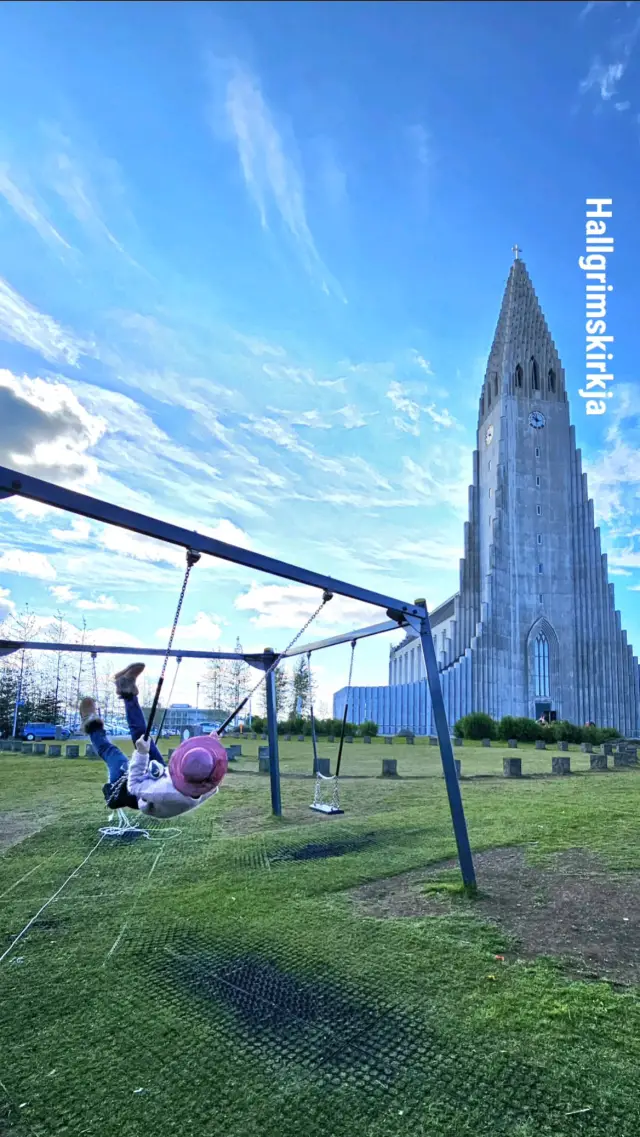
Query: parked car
(210, 727)
(39, 731)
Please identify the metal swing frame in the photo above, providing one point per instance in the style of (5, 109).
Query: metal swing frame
(400, 614)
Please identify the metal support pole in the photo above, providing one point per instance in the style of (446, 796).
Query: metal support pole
(272, 728)
(465, 856)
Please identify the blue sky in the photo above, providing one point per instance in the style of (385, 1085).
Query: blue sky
(251, 260)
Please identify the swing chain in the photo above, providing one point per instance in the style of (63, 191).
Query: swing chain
(192, 559)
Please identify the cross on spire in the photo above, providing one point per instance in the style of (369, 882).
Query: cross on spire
(516, 250)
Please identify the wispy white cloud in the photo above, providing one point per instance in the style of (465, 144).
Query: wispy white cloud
(104, 603)
(25, 208)
(271, 172)
(24, 324)
(603, 77)
(205, 631)
(7, 605)
(63, 593)
(27, 563)
(289, 606)
(418, 138)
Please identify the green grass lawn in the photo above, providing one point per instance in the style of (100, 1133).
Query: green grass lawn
(222, 980)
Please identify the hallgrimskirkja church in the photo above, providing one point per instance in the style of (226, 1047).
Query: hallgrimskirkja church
(533, 628)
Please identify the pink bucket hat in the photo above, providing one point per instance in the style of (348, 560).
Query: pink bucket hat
(198, 765)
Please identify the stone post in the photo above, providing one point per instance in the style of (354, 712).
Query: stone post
(512, 767)
(322, 766)
(586, 747)
(264, 761)
(39, 748)
(90, 752)
(561, 764)
(512, 743)
(562, 745)
(331, 738)
(607, 748)
(486, 742)
(55, 750)
(388, 741)
(235, 751)
(301, 738)
(367, 740)
(410, 740)
(540, 744)
(598, 761)
(458, 741)
(389, 767)
(72, 750)
(348, 738)
(27, 748)
(433, 740)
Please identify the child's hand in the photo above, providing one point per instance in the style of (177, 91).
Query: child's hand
(143, 746)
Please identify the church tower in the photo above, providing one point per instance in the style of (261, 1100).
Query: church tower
(549, 637)
(534, 627)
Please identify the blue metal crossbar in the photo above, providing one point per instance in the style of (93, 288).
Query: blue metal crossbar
(9, 646)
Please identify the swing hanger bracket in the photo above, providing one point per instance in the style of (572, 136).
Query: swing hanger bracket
(193, 556)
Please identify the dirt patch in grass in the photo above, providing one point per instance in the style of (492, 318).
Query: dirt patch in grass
(17, 825)
(572, 907)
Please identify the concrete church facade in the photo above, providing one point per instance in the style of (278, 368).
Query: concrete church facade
(533, 627)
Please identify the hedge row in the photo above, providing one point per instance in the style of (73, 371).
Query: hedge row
(478, 725)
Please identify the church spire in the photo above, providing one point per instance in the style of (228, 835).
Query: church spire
(523, 360)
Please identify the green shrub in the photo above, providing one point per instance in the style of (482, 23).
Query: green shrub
(368, 727)
(524, 729)
(476, 726)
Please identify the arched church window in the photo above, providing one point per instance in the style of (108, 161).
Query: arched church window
(518, 376)
(541, 663)
(535, 375)
(551, 378)
(495, 382)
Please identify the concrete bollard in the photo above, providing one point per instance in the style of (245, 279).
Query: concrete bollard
(264, 761)
(349, 738)
(322, 766)
(410, 740)
(72, 750)
(367, 739)
(388, 742)
(562, 745)
(540, 744)
(512, 767)
(561, 764)
(16, 746)
(598, 761)
(27, 748)
(389, 767)
(486, 742)
(301, 738)
(39, 748)
(607, 748)
(512, 743)
(254, 736)
(287, 738)
(90, 752)
(620, 761)
(433, 740)
(235, 751)
(55, 750)
(586, 747)
(458, 741)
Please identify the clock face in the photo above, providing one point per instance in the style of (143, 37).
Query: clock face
(536, 420)
(489, 435)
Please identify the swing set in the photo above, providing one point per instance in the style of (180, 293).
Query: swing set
(399, 613)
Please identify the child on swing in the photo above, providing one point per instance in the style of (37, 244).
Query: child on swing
(144, 782)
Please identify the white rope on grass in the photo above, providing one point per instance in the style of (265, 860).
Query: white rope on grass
(124, 828)
(49, 901)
